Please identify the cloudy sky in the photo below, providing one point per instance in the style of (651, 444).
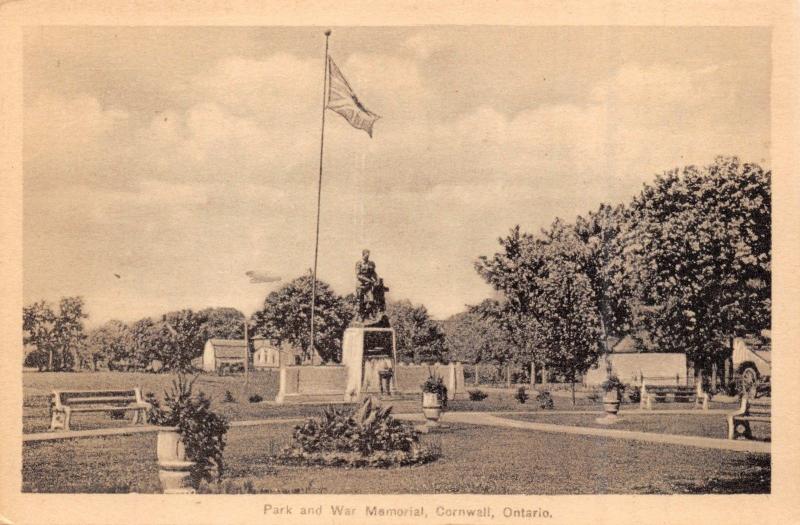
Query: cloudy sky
(181, 158)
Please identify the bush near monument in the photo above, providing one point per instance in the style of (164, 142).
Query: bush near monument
(366, 437)
(477, 395)
(202, 430)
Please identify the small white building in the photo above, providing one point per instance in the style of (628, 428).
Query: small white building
(267, 355)
(218, 352)
(629, 364)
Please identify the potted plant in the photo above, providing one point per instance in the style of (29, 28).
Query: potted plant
(612, 397)
(434, 398)
(191, 438)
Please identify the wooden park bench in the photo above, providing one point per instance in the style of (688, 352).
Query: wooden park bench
(758, 410)
(64, 403)
(677, 393)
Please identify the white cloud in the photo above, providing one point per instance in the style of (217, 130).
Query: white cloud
(237, 166)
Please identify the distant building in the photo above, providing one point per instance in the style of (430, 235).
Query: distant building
(219, 353)
(267, 355)
(630, 361)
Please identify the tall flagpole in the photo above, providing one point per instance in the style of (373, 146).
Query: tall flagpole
(319, 192)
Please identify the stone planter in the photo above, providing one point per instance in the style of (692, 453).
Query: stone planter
(173, 468)
(611, 402)
(431, 407)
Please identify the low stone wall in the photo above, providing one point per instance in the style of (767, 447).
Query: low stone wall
(409, 378)
(312, 383)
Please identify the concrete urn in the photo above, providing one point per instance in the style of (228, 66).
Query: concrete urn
(431, 407)
(611, 402)
(173, 468)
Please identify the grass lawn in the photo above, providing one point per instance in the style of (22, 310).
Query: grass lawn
(37, 387)
(475, 459)
(699, 424)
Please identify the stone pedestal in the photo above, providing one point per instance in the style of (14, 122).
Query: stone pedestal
(365, 352)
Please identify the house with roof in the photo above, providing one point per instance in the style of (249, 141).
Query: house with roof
(223, 352)
(631, 359)
(226, 353)
(268, 355)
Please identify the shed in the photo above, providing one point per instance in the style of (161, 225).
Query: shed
(223, 351)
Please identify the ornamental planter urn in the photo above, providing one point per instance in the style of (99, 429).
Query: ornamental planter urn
(174, 470)
(611, 402)
(431, 407)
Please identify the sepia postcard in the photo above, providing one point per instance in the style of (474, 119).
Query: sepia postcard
(401, 262)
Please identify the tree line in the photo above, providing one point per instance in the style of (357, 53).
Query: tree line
(170, 342)
(683, 267)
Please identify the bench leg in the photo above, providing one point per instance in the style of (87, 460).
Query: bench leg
(67, 417)
(57, 420)
(138, 417)
(738, 429)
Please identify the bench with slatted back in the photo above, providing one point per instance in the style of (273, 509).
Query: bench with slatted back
(65, 403)
(675, 393)
(751, 410)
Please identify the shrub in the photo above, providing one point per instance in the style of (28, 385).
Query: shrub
(521, 395)
(477, 395)
(366, 437)
(634, 394)
(255, 398)
(228, 397)
(545, 400)
(202, 430)
(613, 384)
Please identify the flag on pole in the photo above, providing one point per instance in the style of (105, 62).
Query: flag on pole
(343, 101)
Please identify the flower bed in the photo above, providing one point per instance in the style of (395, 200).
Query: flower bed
(365, 437)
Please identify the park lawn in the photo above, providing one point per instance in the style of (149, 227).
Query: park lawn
(475, 459)
(37, 387)
(696, 424)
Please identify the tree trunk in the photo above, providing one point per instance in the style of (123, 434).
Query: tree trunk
(714, 376)
(508, 375)
(573, 392)
(50, 360)
(533, 375)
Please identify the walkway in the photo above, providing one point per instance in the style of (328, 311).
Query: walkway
(488, 419)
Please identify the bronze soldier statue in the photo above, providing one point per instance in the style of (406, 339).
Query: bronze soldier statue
(370, 291)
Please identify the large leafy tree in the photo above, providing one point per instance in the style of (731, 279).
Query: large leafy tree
(549, 311)
(180, 337)
(419, 338)
(699, 254)
(286, 317)
(146, 342)
(224, 323)
(514, 271)
(471, 337)
(568, 309)
(38, 325)
(59, 335)
(600, 235)
(111, 343)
